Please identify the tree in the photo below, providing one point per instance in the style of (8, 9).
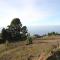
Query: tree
(52, 33)
(15, 31)
(16, 24)
(24, 29)
(3, 35)
(16, 21)
(24, 32)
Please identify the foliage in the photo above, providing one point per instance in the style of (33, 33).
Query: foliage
(4, 33)
(37, 36)
(29, 39)
(24, 31)
(53, 33)
(15, 31)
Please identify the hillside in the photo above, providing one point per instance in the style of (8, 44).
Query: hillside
(21, 51)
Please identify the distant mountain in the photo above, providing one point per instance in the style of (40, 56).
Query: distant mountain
(43, 29)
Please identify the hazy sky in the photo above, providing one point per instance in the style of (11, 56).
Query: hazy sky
(31, 12)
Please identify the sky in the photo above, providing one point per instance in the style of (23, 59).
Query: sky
(30, 12)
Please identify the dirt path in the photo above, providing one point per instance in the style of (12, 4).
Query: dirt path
(42, 56)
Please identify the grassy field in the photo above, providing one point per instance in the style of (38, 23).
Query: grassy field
(21, 51)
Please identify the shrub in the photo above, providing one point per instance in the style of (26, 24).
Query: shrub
(30, 40)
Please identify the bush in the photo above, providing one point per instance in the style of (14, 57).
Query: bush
(30, 40)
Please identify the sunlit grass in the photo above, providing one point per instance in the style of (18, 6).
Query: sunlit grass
(21, 51)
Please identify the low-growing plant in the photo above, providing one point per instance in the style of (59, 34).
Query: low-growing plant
(30, 40)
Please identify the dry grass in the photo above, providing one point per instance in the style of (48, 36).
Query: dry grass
(21, 51)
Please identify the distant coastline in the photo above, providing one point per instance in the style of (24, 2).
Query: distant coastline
(43, 29)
